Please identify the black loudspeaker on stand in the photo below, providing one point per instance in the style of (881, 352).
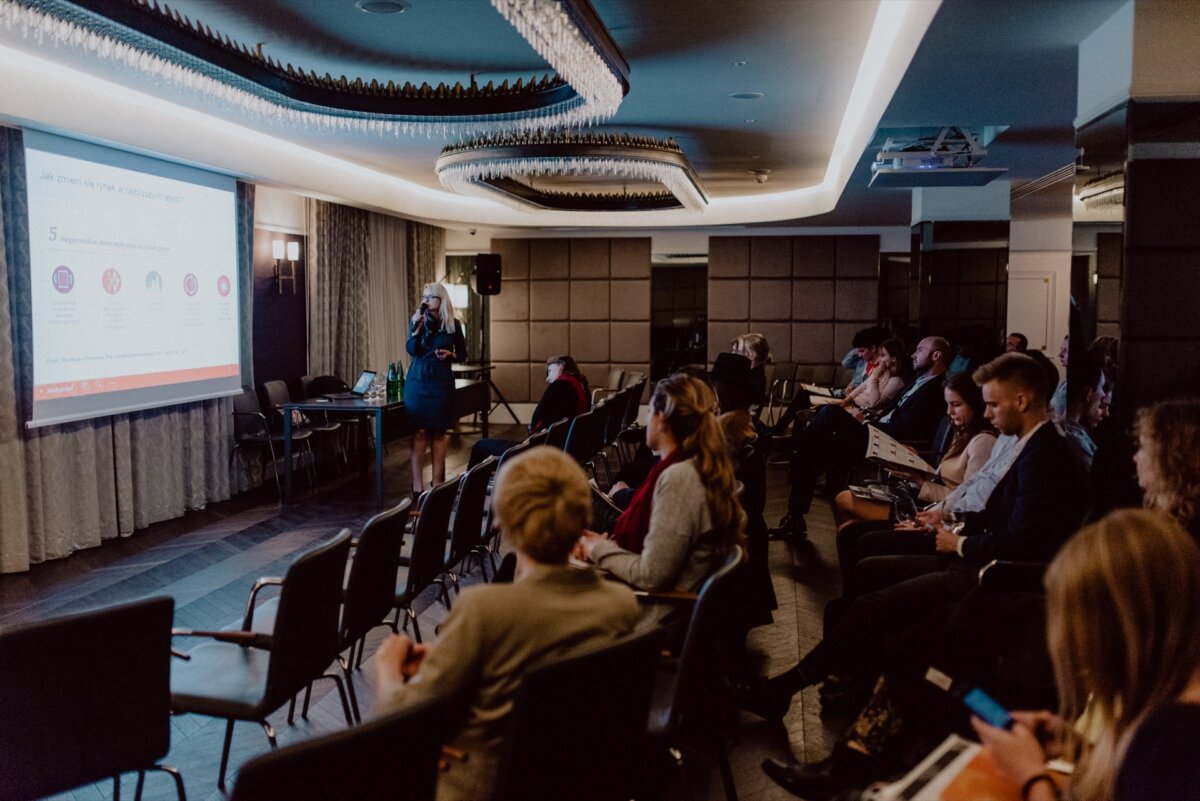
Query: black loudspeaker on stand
(487, 273)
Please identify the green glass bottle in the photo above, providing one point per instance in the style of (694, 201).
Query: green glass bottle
(392, 384)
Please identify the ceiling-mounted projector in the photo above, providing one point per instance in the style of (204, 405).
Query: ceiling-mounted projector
(949, 158)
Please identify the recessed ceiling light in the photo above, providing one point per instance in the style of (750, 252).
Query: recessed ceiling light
(382, 6)
(746, 95)
(739, 63)
(751, 119)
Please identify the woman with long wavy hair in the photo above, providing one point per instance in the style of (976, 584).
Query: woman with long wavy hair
(1168, 459)
(685, 518)
(1123, 630)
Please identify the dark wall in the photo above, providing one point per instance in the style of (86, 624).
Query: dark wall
(280, 335)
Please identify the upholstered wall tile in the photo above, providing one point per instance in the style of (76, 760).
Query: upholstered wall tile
(549, 258)
(630, 342)
(549, 300)
(629, 300)
(728, 257)
(843, 337)
(770, 299)
(812, 300)
(596, 372)
(589, 258)
(514, 257)
(856, 300)
(512, 303)
(510, 341)
(548, 339)
(858, 256)
(770, 256)
(720, 335)
(728, 300)
(513, 380)
(589, 341)
(779, 338)
(812, 343)
(589, 300)
(630, 257)
(813, 256)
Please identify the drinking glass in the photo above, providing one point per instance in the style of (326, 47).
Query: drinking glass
(954, 520)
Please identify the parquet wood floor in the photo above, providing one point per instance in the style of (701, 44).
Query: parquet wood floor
(208, 560)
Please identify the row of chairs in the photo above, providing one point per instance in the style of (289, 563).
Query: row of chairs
(786, 377)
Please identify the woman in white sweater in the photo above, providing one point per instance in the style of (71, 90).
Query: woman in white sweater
(893, 369)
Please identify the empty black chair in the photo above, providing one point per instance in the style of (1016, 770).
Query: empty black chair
(245, 675)
(394, 757)
(583, 438)
(276, 393)
(692, 709)
(85, 697)
(467, 519)
(427, 558)
(252, 430)
(567, 708)
(556, 434)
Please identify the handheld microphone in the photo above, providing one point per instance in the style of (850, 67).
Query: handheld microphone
(424, 307)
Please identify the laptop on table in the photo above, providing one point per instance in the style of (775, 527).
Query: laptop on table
(365, 379)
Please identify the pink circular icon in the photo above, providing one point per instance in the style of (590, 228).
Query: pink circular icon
(63, 279)
(223, 285)
(191, 285)
(111, 281)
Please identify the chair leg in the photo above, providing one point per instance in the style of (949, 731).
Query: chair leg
(350, 686)
(141, 782)
(225, 754)
(117, 787)
(292, 711)
(416, 628)
(270, 732)
(342, 694)
(307, 698)
(727, 776)
(176, 775)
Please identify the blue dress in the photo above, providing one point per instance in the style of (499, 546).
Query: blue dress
(429, 386)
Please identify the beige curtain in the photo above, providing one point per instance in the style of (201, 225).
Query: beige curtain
(426, 257)
(72, 486)
(339, 248)
(389, 303)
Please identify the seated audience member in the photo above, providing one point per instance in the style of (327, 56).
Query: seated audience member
(1123, 630)
(834, 441)
(497, 633)
(1106, 351)
(566, 395)
(755, 348)
(685, 518)
(1086, 407)
(1058, 401)
(1168, 459)
(893, 370)
(862, 358)
(970, 448)
(1037, 504)
(973, 349)
(1016, 342)
(747, 446)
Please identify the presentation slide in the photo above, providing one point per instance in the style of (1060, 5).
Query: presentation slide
(133, 281)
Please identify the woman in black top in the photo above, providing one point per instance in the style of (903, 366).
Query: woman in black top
(435, 341)
(1123, 629)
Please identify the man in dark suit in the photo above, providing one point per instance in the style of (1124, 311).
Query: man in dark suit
(1033, 510)
(835, 440)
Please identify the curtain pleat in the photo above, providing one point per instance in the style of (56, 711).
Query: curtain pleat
(339, 246)
(426, 255)
(71, 486)
(389, 304)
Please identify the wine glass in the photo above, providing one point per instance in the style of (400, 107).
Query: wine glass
(954, 519)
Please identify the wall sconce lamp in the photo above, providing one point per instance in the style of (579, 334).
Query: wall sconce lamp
(285, 272)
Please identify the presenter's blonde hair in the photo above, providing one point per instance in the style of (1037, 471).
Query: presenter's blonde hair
(543, 503)
(446, 308)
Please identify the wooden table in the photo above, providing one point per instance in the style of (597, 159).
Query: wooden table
(470, 397)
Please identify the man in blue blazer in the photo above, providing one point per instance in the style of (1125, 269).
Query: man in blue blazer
(834, 440)
(1038, 504)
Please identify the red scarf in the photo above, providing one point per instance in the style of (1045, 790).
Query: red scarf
(633, 525)
(580, 393)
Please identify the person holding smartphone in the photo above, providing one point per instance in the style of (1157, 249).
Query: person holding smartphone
(435, 341)
(1123, 630)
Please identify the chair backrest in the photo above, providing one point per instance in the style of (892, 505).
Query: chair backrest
(942, 437)
(275, 393)
(429, 537)
(371, 588)
(394, 757)
(635, 403)
(556, 434)
(466, 521)
(245, 407)
(84, 697)
(555, 729)
(305, 637)
(538, 439)
(708, 650)
(614, 416)
(804, 373)
(823, 374)
(581, 437)
(842, 375)
(616, 379)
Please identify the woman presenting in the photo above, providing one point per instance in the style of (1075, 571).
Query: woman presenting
(435, 341)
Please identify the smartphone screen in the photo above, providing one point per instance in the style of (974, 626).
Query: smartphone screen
(986, 708)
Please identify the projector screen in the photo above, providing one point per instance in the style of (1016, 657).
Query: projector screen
(133, 281)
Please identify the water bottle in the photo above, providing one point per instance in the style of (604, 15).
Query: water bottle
(391, 382)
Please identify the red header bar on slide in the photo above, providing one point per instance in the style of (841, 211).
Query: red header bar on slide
(94, 386)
